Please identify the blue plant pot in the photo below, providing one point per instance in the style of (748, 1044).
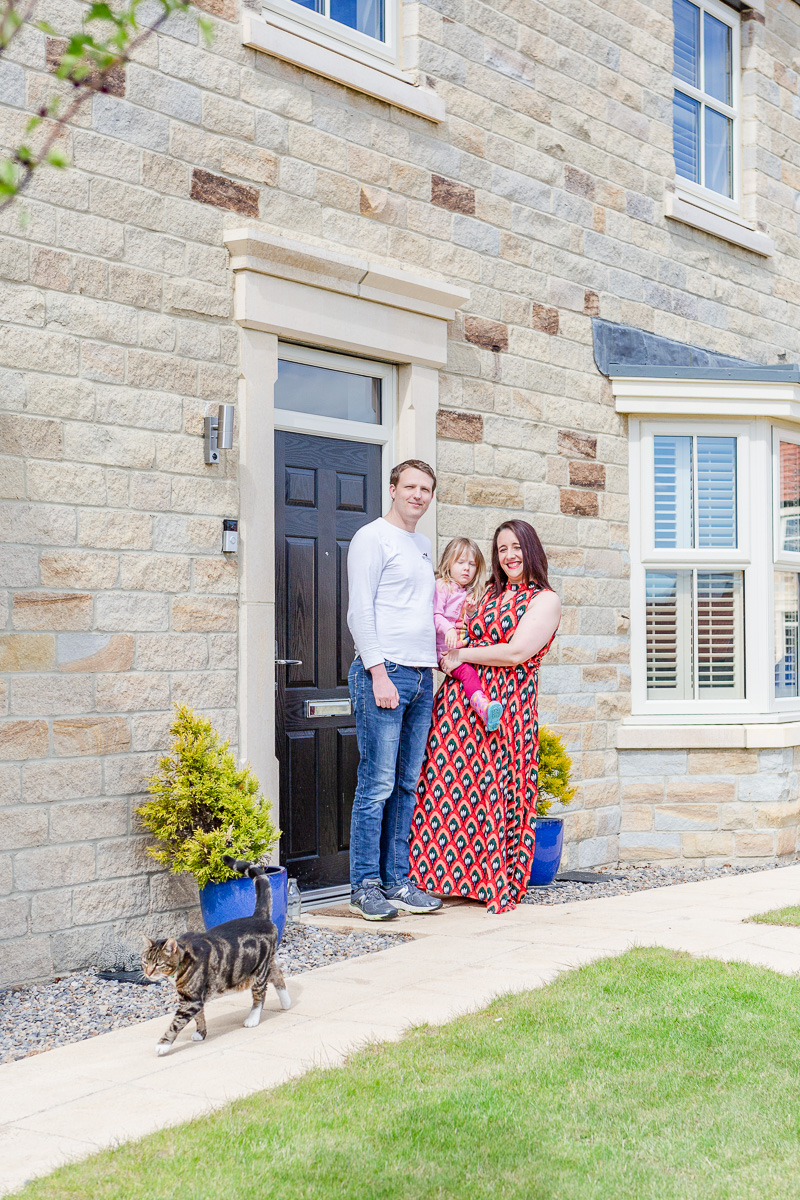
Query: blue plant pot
(221, 902)
(547, 850)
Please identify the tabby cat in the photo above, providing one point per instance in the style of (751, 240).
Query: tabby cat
(233, 956)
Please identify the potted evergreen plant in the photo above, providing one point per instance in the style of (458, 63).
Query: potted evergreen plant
(204, 806)
(555, 771)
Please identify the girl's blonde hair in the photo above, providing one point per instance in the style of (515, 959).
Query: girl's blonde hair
(452, 552)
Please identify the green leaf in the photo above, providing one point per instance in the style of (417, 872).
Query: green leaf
(57, 158)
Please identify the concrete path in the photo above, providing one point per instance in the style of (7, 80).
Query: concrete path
(67, 1103)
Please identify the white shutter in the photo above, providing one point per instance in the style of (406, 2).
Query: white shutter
(669, 635)
(787, 620)
(720, 657)
(673, 488)
(716, 492)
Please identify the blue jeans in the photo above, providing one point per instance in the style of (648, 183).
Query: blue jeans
(391, 745)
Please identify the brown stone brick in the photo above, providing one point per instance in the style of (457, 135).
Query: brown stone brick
(77, 569)
(544, 318)
(482, 332)
(23, 739)
(578, 182)
(90, 735)
(445, 193)
(494, 493)
(26, 652)
(576, 444)
(786, 841)
(30, 437)
(52, 610)
(226, 9)
(587, 474)
(224, 193)
(111, 81)
(591, 303)
(579, 504)
(458, 426)
(701, 791)
(204, 613)
(381, 205)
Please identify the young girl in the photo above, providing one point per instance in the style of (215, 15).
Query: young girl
(459, 584)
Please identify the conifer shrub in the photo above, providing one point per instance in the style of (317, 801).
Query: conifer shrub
(555, 771)
(204, 805)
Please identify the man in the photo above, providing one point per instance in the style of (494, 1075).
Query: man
(390, 615)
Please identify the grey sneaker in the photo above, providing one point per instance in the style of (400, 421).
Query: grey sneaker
(370, 903)
(410, 898)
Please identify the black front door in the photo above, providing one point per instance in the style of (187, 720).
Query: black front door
(325, 489)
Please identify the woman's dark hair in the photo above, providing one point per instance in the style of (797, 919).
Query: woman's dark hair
(534, 559)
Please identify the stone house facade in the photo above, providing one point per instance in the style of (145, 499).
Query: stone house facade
(467, 216)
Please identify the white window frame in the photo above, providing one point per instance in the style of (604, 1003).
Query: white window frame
(334, 35)
(687, 189)
(783, 560)
(649, 558)
(383, 434)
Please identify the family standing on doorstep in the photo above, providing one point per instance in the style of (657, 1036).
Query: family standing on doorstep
(446, 799)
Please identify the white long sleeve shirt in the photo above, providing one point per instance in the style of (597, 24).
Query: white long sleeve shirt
(391, 583)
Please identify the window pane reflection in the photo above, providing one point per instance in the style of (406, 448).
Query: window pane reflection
(790, 496)
(719, 153)
(787, 608)
(364, 15)
(717, 58)
(302, 387)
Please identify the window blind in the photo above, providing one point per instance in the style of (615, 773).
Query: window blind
(719, 634)
(716, 492)
(787, 634)
(673, 492)
(669, 634)
(686, 50)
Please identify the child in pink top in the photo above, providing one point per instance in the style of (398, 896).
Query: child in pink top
(459, 583)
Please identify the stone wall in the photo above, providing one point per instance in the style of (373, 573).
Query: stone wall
(716, 806)
(542, 191)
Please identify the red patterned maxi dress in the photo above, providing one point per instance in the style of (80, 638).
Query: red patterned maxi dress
(473, 829)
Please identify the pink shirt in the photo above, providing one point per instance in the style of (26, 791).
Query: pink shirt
(448, 605)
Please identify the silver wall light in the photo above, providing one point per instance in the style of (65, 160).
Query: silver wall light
(218, 432)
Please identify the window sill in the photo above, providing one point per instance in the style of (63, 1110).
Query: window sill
(383, 84)
(692, 211)
(769, 736)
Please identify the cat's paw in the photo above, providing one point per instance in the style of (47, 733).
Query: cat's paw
(285, 998)
(163, 1048)
(253, 1017)
(197, 1036)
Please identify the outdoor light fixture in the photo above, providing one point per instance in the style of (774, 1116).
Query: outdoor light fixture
(218, 432)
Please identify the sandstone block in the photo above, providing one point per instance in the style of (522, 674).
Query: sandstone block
(572, 444)
(701, 791)
(458, 197)
(154, 572)
(151, 731)
(132, 692)
(737, 816)
(755, 845)
(128, 612)
(21, 827)
(786, 841)
(204, 613)
(224, 193)
(723, 762)
(587, 474)
(495, 493)
(51, 910)
(10, 785)
(459, 426)
(25, 960)
(124, 856)
(128, 774)
(78, 569)
(544, 318)
(50, 695)
(489, 334)
(707, 845)
(90, 735)
(30, 437)
(777, 816)
(66, 483)
(205, 689)
(45, 782)
(216, 575)
(27, 652)
(591, 303)
(84, 820)
(597, 793)
(636, 818)
(18, 566)
(94, 652)
(648, 847)
(52, 610)
(52, 866)
(250, 162)
(578, 182)
(172, 891)
(110, 530)
(109, 901)
(686, 816)
(579, 504)
(171, 651)
(24, 739)
(37, 524)
(223, 651)
(14, 917)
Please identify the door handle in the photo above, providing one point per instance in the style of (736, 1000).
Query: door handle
(288, 662)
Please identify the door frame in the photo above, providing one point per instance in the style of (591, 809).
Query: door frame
(381, 312)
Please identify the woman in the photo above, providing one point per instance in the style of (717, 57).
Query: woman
(474, 823)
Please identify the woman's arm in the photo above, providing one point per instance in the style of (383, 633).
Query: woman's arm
(534, 631)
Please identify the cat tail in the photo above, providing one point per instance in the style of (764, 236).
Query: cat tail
(263, 888)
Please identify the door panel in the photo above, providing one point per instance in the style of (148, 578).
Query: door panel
(326, 490)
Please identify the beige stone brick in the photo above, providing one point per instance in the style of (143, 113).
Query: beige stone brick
(132, 692)
(701, 791)
(77, 569)
(27, 652)
(108, 530)
(128, 774)
(203, 613)
(707, 845)
(83, 820)
(24, 739)
(90, 735)
(154, 572)
(496, 493)
(171, 651)
(50, 911)
(10, 785)
(636, 818)
(686, 816)
(204, 689)
(22, 827)
(786, 841)
(50, 695)
(151, 731)
(95, 652)
(51, 866)
(777, 816)
(737, 816)
(216, 575)
(52, 610)
(755, 845)
(59, 397)
(723, 762)
(14, 917)
(66, 483)
(599, 792)
(30, 437)
(645, 791)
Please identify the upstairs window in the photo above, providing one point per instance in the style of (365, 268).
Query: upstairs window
(706, 97)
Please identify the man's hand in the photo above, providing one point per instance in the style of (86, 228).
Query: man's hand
(383, 689)
(451, 638)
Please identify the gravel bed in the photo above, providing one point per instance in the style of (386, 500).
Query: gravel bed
(39, 1017)
(637, 879)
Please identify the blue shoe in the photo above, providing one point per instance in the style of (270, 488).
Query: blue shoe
(411, 899)
(494, 714)
(369, 902)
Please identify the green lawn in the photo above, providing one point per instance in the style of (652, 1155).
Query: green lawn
(652, 1075)
(780, 916)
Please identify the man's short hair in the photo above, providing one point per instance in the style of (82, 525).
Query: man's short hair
(414, 463)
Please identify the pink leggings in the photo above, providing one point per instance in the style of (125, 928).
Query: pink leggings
(469, 678)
